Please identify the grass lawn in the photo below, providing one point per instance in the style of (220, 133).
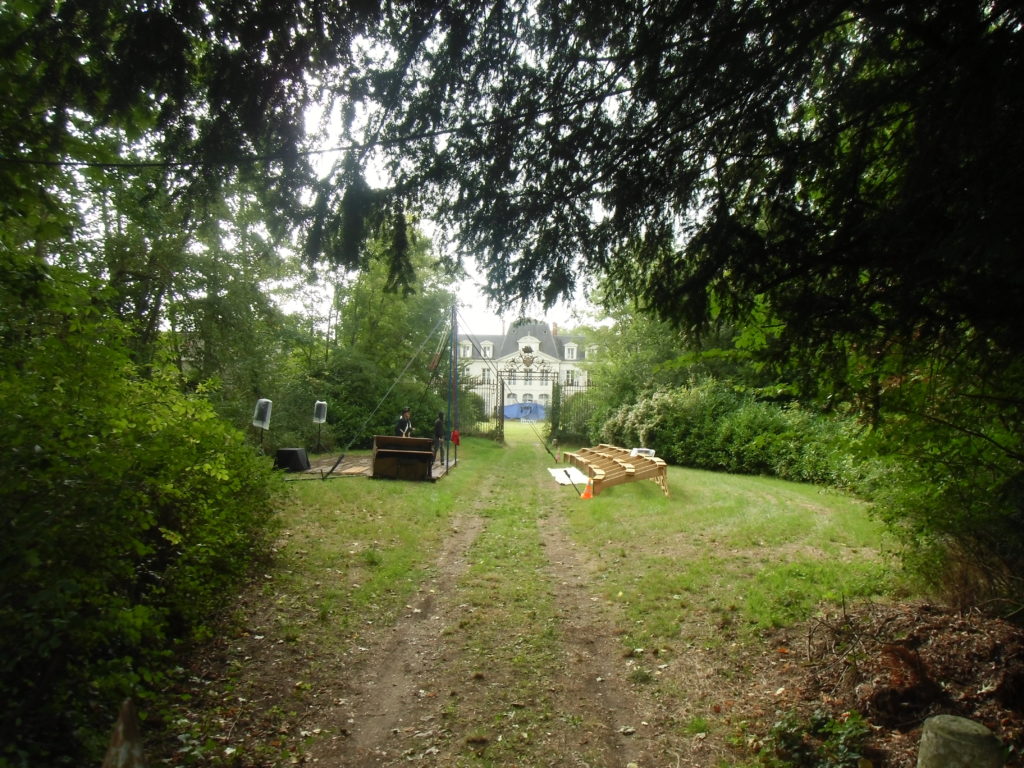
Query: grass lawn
(525, 595)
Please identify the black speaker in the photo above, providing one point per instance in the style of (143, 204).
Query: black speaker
(291, 459)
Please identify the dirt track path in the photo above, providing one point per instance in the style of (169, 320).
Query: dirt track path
(419, 691)
(391, 682)
(511, 651)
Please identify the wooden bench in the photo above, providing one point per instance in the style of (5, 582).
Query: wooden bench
(609, 465)
(403, 458)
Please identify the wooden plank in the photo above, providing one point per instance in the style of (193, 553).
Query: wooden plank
(609, 465)
(403, 443)
(395, 454)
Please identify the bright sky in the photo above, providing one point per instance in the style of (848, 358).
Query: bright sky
(476, 318)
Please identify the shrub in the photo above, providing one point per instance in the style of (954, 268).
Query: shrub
(709, 425)
(129, 510)
(818, 741)
(471, 412)
(756, 439)
(958, 503)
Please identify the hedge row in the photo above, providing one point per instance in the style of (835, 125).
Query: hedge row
(710, 425)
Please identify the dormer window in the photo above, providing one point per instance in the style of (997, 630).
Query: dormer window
(570, 351)
(487, 349)
(465, 349)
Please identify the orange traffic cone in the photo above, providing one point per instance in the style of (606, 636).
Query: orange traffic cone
(588, 492)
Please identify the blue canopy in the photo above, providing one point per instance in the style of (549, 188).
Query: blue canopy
(524, 411)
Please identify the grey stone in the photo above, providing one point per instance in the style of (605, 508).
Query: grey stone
(948, 741)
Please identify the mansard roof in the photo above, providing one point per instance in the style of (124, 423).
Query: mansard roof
(508, 344)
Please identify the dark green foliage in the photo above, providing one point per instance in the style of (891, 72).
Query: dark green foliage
(390, 346)
(836, 181)
(957, 503)
(555, 412)
(129, 511)
(796, 155)
(839, 182)
(355, 385)
(570, 413)
(471, 411)
(818, 741)
(346, 215)
(574, 414)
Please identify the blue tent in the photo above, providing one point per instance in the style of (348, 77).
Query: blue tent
(533, 411)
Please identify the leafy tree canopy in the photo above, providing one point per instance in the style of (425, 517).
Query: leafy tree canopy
(847, 170)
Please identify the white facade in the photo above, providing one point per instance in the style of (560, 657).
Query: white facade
(530, 358)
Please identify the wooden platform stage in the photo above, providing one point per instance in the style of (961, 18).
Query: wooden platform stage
(359, 464)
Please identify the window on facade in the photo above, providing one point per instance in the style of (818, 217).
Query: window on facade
(511, 398)
(545, 377)
(485, 376)
(527, 398)
(570, 378)
(527, 377)
(511, 377)
(543, 399)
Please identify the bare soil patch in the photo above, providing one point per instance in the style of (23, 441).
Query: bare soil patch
(615, 723)
(390, 712)
(625, 723)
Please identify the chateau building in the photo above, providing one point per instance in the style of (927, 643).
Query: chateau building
(530, 358)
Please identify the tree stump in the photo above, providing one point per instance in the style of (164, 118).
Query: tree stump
(948, 741)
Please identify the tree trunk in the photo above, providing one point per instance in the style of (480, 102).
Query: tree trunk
(125, 750)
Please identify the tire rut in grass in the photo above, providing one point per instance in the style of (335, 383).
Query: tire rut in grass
(392, 689)
(509, 657)
(595, 685)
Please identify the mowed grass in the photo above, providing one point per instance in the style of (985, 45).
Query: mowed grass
(752, 553)
(715, 565)
(353, 549)
(506, 629)
(760, 551)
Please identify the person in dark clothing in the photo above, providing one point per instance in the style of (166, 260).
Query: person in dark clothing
(404, 426)
(439, 437)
